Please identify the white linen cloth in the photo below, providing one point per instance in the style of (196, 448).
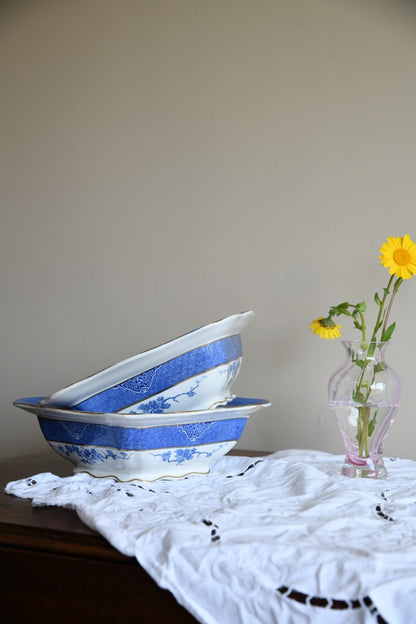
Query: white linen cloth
(281, 539)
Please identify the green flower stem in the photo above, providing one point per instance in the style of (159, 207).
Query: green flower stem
(358, 310)
(364, 411)
(359, 429)
(364, 415)
(380, 312)
(363, 440)
(363, 326)
(394, 293)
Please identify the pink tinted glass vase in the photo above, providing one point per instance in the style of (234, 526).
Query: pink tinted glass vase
(364, 393)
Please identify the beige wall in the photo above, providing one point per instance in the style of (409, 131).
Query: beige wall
(166, 163)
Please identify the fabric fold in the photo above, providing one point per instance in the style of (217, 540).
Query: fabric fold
(283, 538)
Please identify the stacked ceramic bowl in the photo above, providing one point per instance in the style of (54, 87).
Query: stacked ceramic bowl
(166, 412)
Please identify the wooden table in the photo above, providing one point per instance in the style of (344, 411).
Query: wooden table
(55, 569)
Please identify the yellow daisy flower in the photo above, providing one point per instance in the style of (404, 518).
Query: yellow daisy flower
(326, 328)
(398, 254)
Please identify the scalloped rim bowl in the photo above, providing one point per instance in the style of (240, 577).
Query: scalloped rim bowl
(193, 371)
(144, 447)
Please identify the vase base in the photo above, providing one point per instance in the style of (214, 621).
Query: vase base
(370, 470)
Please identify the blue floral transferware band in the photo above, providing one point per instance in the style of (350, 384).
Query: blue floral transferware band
(163, 377)
(124, 438)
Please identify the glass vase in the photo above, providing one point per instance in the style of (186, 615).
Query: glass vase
(364, 393)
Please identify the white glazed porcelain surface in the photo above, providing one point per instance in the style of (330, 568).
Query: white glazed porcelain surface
(143, 446)
(172, 463)
(238, 406)
(147, 363)
(208, 390)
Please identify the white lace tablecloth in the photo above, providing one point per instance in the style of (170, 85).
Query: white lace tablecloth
(282, 539)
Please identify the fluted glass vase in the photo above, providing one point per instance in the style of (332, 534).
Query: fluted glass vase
(364, 393)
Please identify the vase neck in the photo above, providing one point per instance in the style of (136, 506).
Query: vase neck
(369, 351)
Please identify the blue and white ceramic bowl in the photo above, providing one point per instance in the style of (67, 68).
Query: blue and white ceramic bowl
(146, 447)
(192, 372)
